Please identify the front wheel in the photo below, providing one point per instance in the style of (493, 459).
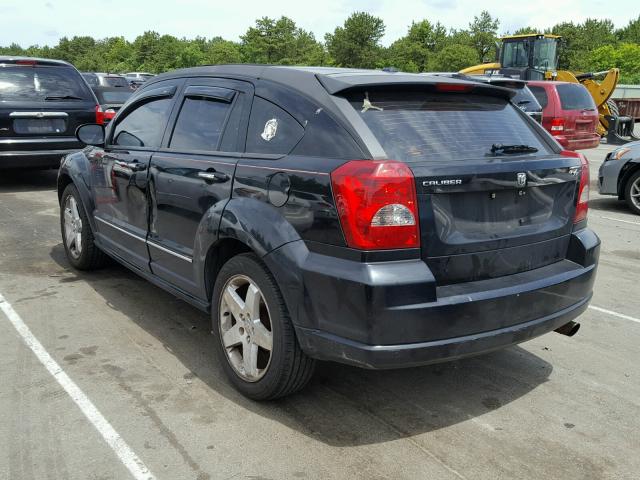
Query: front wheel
(632, 192)
(77, 236)
(256, 341)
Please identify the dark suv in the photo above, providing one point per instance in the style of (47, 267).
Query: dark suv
(377, 219)
(42, 102)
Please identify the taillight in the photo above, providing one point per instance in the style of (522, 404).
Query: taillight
(377, 204)
(99, 115)
(109, 114)
(557, 125)
(582, 206)
(454, 87)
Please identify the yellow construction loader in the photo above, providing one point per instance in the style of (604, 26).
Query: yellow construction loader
(535, 57)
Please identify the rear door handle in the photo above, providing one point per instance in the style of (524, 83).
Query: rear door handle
(213, 177)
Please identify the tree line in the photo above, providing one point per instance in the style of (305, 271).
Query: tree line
(592, 45)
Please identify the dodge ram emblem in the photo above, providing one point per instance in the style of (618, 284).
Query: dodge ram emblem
(521, 180)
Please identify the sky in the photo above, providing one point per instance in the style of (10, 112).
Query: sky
(43, 22)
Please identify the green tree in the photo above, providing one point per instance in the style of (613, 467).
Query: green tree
(219, 51)
(453, 58)
(357, 42)
(411, 53)
(280, 42)
(625, 56)
(630, 33)
(483, 31)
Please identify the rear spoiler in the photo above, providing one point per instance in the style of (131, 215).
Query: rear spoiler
(32, 62)
(343, 82)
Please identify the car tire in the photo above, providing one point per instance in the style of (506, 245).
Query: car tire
(243, 323)
(632, 192)
(77, 237)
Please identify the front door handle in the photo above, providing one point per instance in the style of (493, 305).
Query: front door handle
(134, 166)
(213, 177)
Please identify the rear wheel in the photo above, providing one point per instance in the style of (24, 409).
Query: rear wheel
(77, 236)
(256, 345)
(632, 192)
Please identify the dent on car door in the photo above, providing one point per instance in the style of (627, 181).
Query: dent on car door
(191, 176)
(122, 207)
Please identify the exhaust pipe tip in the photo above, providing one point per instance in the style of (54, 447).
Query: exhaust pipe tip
(568, 329)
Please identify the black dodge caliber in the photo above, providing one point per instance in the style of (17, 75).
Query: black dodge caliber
(377, 219)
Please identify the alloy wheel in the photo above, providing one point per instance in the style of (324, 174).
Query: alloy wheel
(634, 192)
(245, 328)
(72, 227)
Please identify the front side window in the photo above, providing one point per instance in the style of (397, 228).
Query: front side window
(144, 125)
(516, 54)
(271, 129)
(200, 124)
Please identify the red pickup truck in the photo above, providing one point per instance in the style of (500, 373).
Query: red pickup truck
(569, 113)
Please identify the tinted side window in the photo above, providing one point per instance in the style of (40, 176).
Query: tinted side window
(541, 95)
(200, 124)
(271, 129)
(575, 97)
(143, 126)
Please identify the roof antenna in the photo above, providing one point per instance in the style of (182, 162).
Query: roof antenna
(367, 105)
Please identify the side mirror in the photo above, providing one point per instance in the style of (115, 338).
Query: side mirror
(91, 134)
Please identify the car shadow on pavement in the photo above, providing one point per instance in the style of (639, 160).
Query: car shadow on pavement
(342, 405)
(611, 204)
(27, 180)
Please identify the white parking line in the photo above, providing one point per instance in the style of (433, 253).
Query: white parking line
(615, 314)
(127, 456)
(620, 220)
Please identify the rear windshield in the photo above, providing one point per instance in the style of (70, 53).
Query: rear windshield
(119, 96)
(540, 94)
(575, 97)
(116, 82)
(419, 127)
(29, 83)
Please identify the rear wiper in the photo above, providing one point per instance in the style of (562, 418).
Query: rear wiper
(522, 102)
(62, 97)
(500, 149)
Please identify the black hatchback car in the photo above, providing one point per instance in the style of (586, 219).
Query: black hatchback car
(377, 219)
(42, 102)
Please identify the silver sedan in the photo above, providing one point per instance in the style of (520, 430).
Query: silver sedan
(620, 175)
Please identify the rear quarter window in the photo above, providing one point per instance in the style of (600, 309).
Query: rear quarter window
(575, 97)
(541, 95)
(433, 127)
(271, 129)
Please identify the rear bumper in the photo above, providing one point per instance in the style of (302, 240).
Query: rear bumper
(33, 159)
(581, 142)
(325, 346)
(392, 314)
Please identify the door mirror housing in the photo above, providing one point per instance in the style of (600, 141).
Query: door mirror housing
(91, 134)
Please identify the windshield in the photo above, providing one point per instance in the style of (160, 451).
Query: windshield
(418, 127)
(35, 83)
(544, 54)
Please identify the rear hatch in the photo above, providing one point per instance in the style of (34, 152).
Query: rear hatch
(42, 102)
(483, 214)
(578, 109)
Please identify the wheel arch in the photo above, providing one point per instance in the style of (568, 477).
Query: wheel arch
(627, 171)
